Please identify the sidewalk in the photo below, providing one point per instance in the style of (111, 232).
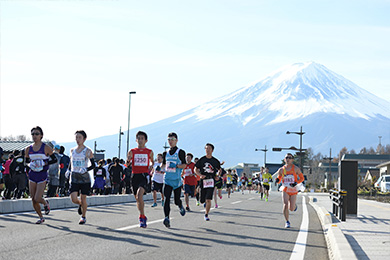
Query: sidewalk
(362, 236)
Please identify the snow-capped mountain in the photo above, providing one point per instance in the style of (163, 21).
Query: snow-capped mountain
(333, 111)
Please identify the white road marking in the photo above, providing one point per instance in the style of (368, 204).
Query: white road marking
(251, 198)
(137, 225)
(236, 202)
(300, 245)
(203, 210)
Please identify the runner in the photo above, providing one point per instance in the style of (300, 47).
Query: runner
(141, 159)
(218, 185)
(249, 183)
(190, 180)
(260, 188)
(158, 180)
(99, 174)
(229, 182)
(267, 179)
(79, 172)
(37, 155)
(207, 168)
(235, 180)
(290, 176)
(243, 180)
(197, 188)
(174, 160)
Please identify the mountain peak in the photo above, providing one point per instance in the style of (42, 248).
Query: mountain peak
(292, 92)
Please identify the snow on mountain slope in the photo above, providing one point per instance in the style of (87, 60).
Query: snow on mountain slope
(293, 92)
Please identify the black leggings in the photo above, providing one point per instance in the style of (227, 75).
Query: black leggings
(167, 194)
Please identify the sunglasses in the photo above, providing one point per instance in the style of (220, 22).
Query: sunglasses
(288, 157)
(35, 133)
(171, 139)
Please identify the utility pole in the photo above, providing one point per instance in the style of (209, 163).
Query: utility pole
(120, 141)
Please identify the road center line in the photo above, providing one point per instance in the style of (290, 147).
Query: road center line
(137, 225)
(236, 202)
(300, 245)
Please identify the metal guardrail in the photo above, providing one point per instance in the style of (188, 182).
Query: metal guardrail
(339, 198)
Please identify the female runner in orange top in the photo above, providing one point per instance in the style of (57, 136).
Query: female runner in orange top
(290, 176)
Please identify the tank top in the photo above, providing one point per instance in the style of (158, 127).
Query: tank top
(158, 174)
(172, 175)
(229, 179)
(79, 165)
(141, 160)
(38, 159)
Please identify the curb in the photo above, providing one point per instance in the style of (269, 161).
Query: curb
(25, 205)
(338, 245)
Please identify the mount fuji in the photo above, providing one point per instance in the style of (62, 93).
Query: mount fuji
(333, 111)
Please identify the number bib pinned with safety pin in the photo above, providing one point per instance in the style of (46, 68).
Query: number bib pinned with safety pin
(208, 183)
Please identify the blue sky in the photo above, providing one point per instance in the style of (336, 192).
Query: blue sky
(68, 65)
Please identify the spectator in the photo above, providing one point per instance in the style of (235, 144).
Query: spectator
(107, 188)
(64, 164)
(18, 173)
(54, 174)
(116, 175)
(9, 185)
(100, 176)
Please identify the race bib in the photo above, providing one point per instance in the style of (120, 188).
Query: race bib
(140, 160)
(78, 165)
(288, 179)
(187, 172)
(265, 181)
(37, 165)
(99, 172)
(208, 183)
(171, 166)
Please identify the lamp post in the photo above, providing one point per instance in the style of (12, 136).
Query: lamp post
(120, 141)
(265, 154)
(330, 167)
(128, 121)
(165, 146)
(300, 133)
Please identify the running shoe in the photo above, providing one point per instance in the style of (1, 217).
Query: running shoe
(287, 224)
(182, 211)
(220, 197)
(197, 203)
(40, 221)
(204, 205)
(296, 207)
(80, 210)
(162, 203)
(47, 208)
(166, 222)
(142, 222)
(188, 209)
(82, 221)
(266, 199)
(216, 206)
(154, 205)
(206, 218)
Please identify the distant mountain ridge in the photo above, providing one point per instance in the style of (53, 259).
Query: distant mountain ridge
(333, 111)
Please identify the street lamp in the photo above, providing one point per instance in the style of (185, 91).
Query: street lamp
(120, 141)
(128, 121)
(300, 133)
(330, 167)
(265, 153)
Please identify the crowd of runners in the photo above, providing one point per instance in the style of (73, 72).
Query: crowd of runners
(173, 171)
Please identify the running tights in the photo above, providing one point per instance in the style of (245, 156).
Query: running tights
(167, 194)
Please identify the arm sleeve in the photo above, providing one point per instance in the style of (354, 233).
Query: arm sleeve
(92, 165)
(164, 155)
(182, 156)
(52, 159)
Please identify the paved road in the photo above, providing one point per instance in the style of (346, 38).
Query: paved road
(243, 227)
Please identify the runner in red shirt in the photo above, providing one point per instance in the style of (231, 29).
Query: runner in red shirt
(142, 162)
(190, 180)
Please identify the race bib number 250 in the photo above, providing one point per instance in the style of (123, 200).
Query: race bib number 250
(140, 160)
